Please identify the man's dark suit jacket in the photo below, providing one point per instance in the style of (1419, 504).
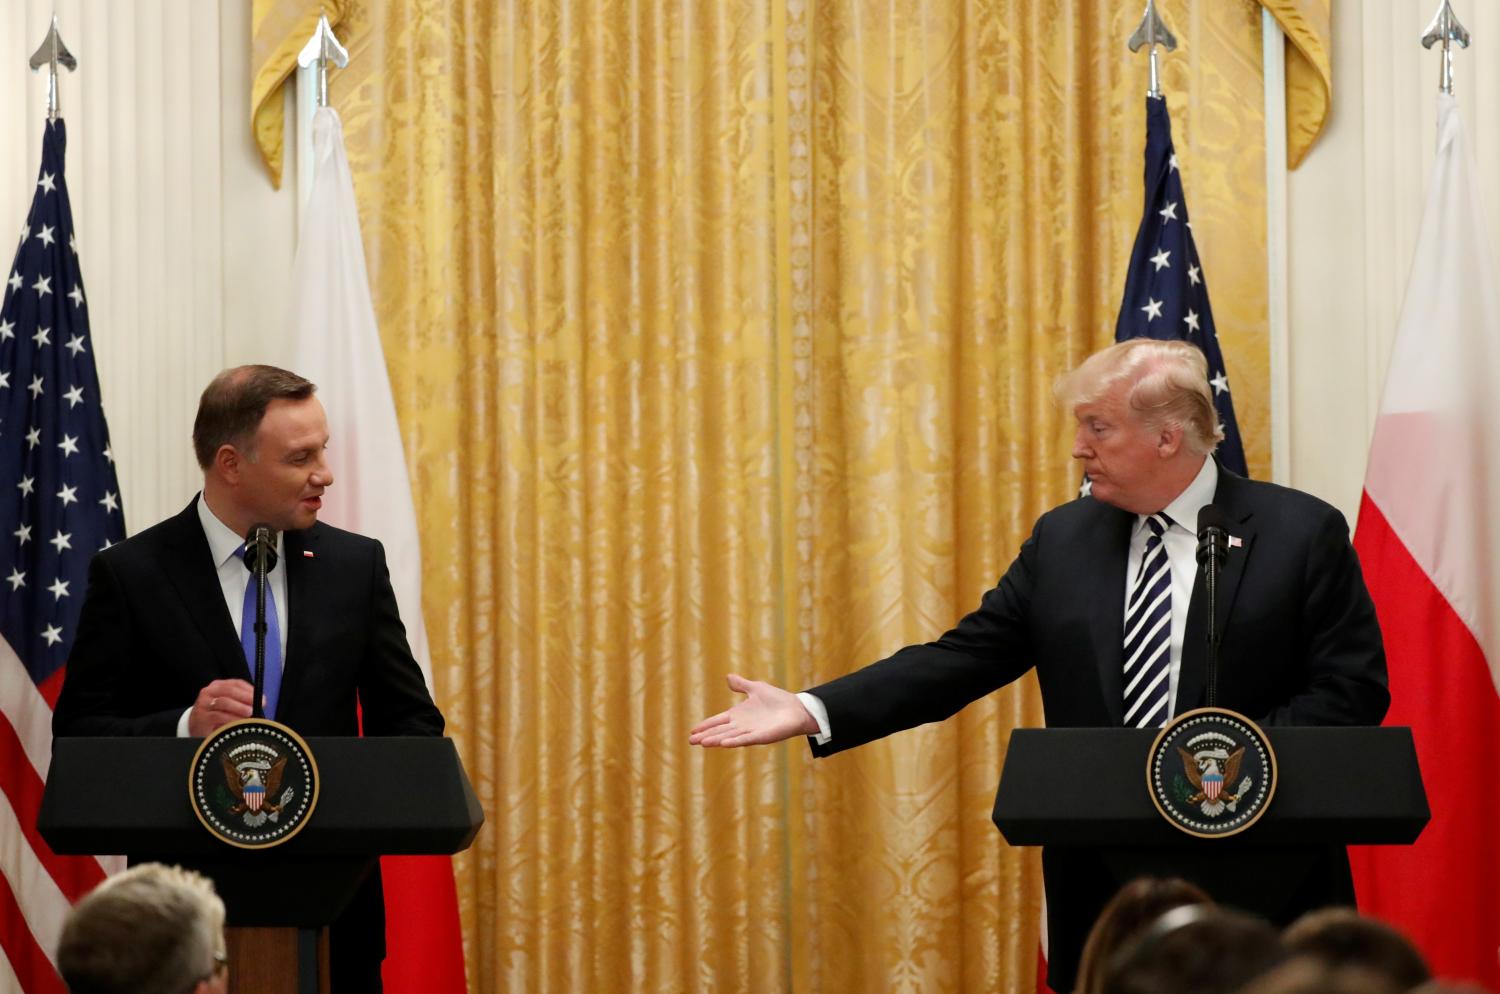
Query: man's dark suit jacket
(1301, 646)
(155, 630)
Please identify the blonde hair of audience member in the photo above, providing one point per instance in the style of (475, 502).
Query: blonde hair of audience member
(1169, 387)
(1306, 975)
(1124, 918)
(153, 929)
(1344, 937)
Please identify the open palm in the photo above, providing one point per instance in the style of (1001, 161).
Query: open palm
(767, 714)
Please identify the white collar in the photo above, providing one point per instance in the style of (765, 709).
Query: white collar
(223, 543)
(1184, 508)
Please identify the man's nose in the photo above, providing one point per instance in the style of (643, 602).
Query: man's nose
(1081, 448)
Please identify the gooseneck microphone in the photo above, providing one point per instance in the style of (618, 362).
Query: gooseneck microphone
(1213, 549)
(260, 559)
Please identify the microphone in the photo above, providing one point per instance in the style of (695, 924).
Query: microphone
(1213, 536)
(261, 544)
(1213, 549)
(260, 559)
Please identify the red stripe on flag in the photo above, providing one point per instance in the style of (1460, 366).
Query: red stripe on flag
(423, 938)
(27, 960)
(51, 687)
(75, 875)
(1041, 971)
(1442, 891)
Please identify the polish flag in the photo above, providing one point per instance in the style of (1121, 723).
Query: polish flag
(1428, 538)
(338, 348)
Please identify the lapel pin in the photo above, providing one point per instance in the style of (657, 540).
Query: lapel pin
(1234, 542)
(307, 553)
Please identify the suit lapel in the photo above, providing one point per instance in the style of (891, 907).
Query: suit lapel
(301, 593)
(1105, 568)
(1192, 683)
(192, 573)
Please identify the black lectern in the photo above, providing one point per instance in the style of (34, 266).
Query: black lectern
(378, 796)
(1082, 793)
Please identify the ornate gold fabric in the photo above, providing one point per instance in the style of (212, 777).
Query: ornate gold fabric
(1308, 25)
(722, 335)
(278, 31)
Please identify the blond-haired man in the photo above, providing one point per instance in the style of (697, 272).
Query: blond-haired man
(1102, 602)
(153, 929)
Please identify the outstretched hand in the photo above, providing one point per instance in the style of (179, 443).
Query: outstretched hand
(767, 714)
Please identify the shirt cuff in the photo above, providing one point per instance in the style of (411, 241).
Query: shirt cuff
(819, 711)
(182, 724)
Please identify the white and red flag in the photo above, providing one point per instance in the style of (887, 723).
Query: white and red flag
(338, 348)
(1428, 538)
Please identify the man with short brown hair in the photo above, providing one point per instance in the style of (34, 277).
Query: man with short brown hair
(165, 634)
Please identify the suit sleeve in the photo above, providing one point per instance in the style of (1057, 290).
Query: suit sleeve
(987, 649)
(1345, 657)
(101, 670)
(393, 696)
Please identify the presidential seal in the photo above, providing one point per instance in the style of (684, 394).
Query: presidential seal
(253, 783)
(1211, 772)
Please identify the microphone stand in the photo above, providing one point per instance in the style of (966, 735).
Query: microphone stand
(263, 556)
(1213, 549)
(1211, 595)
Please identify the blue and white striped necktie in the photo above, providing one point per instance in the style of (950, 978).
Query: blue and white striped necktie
(1148, 633)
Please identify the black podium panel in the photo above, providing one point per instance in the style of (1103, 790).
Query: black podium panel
(1087, 787)
(378, 796)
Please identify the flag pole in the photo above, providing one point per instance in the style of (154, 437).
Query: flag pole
(321, 49)
(53, 53)
(1153, 31)
(1446, 28)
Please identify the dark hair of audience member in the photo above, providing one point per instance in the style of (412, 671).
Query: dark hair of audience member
(1448, 987)
(1308, 975)
(1134, 906)
(1344, 937)
(1193, 949)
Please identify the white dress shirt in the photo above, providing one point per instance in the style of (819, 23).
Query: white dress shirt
(1181, 540)
(223, 543)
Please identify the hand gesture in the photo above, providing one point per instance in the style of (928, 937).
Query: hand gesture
(218, 704)
(767, 714)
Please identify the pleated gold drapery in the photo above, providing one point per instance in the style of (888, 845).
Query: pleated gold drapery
(722, 335)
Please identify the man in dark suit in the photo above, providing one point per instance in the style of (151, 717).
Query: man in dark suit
(162, 640)
(1104, 601)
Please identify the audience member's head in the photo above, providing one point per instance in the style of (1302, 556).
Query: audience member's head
(1344, 937)
(1306, 975)
(1134, 906)
(151, 930)
(1192, 949)
(1448, 987)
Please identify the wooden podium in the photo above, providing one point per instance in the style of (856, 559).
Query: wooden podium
(378, 797)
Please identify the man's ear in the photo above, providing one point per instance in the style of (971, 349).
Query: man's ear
(1169, 442)
(227, 463)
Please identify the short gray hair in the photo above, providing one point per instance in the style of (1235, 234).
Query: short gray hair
(153, 929)
(1169, 387)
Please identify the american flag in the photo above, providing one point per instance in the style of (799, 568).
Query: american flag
(59, 504)
(1166, 295)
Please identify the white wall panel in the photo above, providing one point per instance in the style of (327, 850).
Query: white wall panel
(185, 247)
(1354, 206)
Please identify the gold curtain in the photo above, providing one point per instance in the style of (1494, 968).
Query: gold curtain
(722, 335)
(1308, 25)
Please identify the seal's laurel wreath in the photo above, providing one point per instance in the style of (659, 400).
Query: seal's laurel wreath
(253, 783)
(1211, 773)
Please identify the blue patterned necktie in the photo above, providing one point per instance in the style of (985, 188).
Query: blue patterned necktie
(1148, 633)
(272, 686)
